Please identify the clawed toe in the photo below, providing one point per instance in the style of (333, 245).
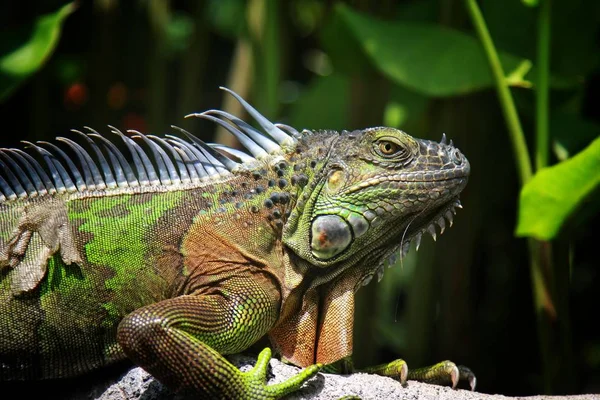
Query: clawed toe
(442, 373)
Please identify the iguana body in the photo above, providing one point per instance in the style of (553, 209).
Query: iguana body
(201, 255)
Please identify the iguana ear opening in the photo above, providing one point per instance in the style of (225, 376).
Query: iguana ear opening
(335, 181)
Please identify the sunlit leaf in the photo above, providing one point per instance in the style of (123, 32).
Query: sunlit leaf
(25, 51)
(530, 3)
(555, 193)
(428, 58)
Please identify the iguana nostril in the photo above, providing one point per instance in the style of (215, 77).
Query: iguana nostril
(457, 157)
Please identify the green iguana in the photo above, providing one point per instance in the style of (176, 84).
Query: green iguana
(182, 251)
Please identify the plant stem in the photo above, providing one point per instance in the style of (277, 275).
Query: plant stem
(539, 252)
(542, 86)
(555, 315)
(545, 310)
(506, 101)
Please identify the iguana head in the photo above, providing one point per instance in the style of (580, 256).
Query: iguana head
(376, 190)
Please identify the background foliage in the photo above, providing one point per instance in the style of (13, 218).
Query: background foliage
(522, 313)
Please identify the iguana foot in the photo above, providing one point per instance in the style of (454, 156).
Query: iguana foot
(397, 369)
(443, 373)
(256, 387)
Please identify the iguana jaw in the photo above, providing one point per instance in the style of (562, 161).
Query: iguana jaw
(413, 231)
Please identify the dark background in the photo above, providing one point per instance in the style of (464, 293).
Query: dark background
(146, 64)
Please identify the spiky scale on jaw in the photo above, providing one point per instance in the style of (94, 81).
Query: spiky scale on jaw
(204, 249)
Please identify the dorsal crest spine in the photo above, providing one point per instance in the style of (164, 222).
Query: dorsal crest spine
(171, 161)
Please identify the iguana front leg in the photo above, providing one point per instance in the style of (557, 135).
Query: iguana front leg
(180, 341)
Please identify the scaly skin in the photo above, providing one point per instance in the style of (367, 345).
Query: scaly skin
(174, 275)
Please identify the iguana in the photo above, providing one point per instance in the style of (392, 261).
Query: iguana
(182, 252)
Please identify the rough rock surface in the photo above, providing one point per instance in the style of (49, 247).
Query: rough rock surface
(136, 384)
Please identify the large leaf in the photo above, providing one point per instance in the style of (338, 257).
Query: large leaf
(428, 58)
(554, 193)
(323, 105)
(405, 109)
(23, 52)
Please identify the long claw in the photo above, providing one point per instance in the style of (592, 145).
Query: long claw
(403, 374)
(397, 369)
(467, 375)
(473, 383)
(443, 373)
(454, 376)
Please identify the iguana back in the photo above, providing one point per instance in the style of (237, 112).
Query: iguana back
(67, 284)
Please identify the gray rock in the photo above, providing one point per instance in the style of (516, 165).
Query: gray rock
(137, 384)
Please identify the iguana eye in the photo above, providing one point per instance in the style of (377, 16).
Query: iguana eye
(387, 148)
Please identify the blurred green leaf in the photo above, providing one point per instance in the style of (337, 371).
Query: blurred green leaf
(178, 32)
(23, 52)
(68, 68)
(345, 54)
(228, 17)
(307, 15)
(323, 105)
(404, 108)
(575, 48)
(530, 3)
(428, 58)
(554, 193)
(418, 11)
(518, 37)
